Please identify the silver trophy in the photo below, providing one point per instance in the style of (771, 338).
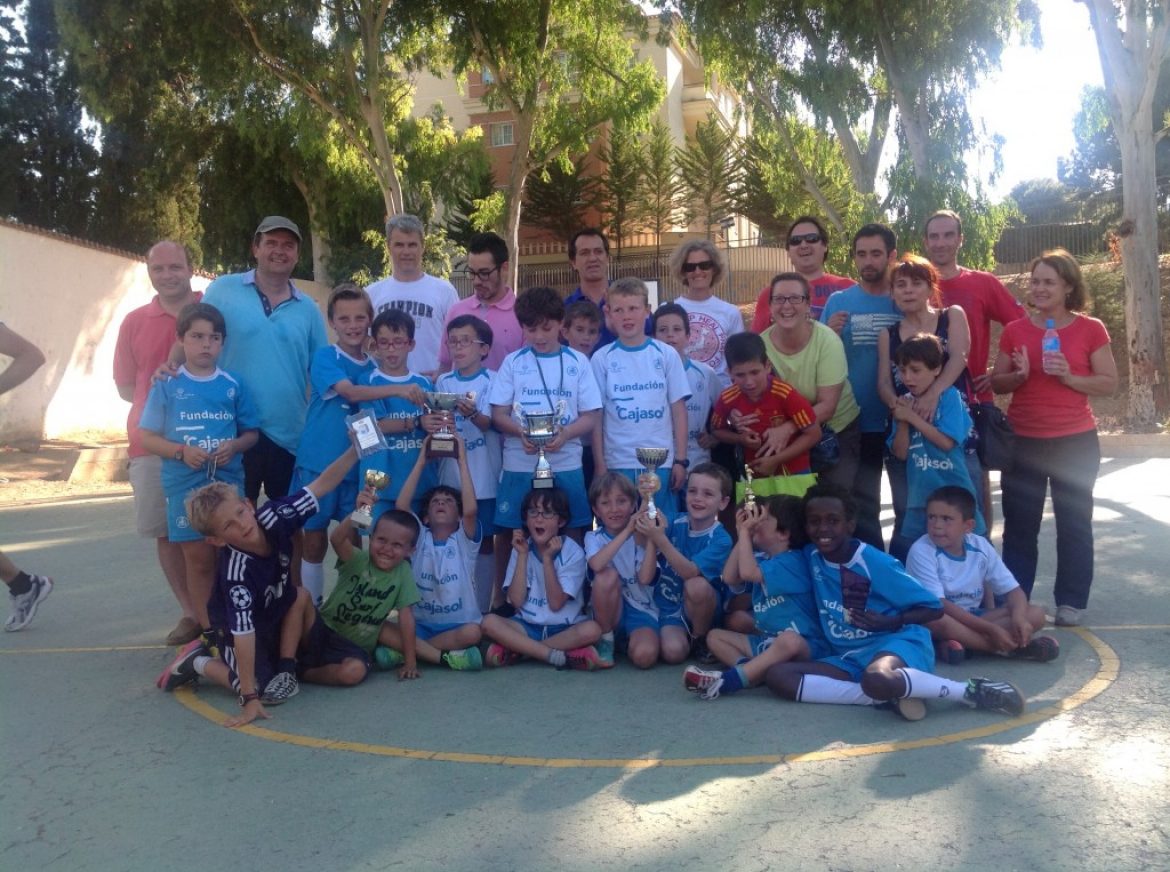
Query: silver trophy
(540, 428)
(378, 480)
(443, 440)
(648, 483)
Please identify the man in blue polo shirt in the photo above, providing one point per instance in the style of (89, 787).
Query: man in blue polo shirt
(273, 331)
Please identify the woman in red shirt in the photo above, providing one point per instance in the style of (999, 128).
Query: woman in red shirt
(1056, 433)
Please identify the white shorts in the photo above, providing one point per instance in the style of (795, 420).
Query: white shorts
(150, 505)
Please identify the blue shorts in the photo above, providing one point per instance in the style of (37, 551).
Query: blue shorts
(540, 632)
(674, 619)
(911, 644)
(426, 632)
(485, 513)
(636, 619)
(515, 485)
(334, 506)
(179, 527)
(325, 647)
(665, 498)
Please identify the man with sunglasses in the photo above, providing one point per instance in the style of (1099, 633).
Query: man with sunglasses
(492, 300)
(808, 246)
(425, 298)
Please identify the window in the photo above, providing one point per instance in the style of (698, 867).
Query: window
(485, 76)
(501, 134)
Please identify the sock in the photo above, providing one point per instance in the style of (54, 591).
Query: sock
(556, 658)
(313, 578)
(200, 664)
(607, 637)
(820, 688)
(742, 660)
(733, 680)
(22, 584)
(287, 664)
(485, 575)
(926, 685)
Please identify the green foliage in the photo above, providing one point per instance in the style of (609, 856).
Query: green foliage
(1045, 201)
(662, 189)
(558, 197)
(710, 174)
(620, 194)
(468, 211)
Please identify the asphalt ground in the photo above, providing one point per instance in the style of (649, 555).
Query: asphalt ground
(529, 768)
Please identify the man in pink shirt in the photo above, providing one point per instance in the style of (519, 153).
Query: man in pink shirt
(808, 246)
(493, 301)
(144, 341)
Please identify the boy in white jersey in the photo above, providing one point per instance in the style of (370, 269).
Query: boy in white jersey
(446, 617)
(545, 586)
(670, 325)
(614, 552)
(579, 331)
(958, 567)
(644, 390)
(469, 339)
(539, 377)
(200, 422)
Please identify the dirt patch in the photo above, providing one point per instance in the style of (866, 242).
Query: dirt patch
(32, 472)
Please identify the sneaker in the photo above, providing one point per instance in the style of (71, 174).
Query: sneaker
(210, 640)
(498, 655)
(387, 658)
(950, 651)
(181, 670)
(604, 648)
(995, 696)
(22, 607)
(706, 683)
(1041, 649)
(584, 659)
(701, 653)
(908, 709)
(464, 660)
(1067, 616)
(185, 631)
(280, 689)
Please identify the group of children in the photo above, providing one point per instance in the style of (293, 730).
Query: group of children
(607, 550)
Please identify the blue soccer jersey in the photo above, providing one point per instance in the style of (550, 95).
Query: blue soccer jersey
(483, 446)
(253, 593)
(707, 549)
(784, 600)
(404, 447)
(638, 385)
(204, 411)
(326, 435)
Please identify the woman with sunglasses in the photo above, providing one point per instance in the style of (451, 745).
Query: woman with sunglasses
(811, 357)
(808, 246)
(698, 265)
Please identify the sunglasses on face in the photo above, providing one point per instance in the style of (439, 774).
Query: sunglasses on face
(810, 238)
(704, 265)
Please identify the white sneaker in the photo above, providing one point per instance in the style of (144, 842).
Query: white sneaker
(1068, 616)
(23, 607)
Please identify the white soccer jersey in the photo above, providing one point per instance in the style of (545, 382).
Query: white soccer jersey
(960, 580)
(626, 562)
(483, 446)
(443, 574)
(570, 566)
(705, 390)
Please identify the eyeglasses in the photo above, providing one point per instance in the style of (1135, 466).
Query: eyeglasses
(547, 514)
(704, 265)
(397, 342)
(810, 238)
(790, 300)
(481, 274)
(463, 342)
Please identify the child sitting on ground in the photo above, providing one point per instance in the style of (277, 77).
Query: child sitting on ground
(545, 584)
(614, 552)
(767, 555)
(957, 566)
(268, 628)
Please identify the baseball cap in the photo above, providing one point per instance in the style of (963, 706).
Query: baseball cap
(279, 222)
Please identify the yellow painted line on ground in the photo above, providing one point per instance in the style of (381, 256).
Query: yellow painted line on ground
(98, 650)
(1108, 668)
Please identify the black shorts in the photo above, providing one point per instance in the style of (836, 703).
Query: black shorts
(267, 465)
(324, 647)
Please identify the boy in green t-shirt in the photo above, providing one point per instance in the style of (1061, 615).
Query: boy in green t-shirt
(371, 584)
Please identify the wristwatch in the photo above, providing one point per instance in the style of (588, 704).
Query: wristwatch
(179, 454)
(246, 698)
(684, 462)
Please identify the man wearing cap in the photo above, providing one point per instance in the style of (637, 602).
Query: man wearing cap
(273, 331)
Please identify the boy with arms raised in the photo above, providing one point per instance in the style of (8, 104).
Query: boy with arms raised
(686, 557)
(873, 615)
(670, 325)
(644, 390)
(268, 628)
(767, 556)
(959, 567)
(544, 585)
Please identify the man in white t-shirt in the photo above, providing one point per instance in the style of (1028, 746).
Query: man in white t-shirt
(426, 298)
(698, 264)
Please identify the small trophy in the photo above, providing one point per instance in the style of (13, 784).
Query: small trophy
(540, 428)
(651, 459)
(443, 440)
(749, 495)
(376, 479)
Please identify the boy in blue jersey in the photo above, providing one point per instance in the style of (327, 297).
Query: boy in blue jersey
(539, 377)
(933, 450)
(767, 555)
(336, 382)
(644, 390)
(269, 629)
(200, 422)
(671, 325)
(469, 339)
(873, 615)
(446, 616)
(687, 557)
(403, 420)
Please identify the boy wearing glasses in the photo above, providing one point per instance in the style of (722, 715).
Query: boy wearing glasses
(808, 246)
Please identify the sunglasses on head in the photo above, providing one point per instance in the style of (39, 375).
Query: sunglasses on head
(810, 238)
(704, 265)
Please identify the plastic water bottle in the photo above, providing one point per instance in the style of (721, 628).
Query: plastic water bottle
(1049, 345)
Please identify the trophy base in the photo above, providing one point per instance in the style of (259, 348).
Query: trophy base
(361, 518)
(542, 483)
(441, 449)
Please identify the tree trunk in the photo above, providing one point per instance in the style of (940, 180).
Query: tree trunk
(318, 236)
(518, 170)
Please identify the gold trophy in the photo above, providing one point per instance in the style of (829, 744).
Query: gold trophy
(362, 517)
(651, 459)
(749, 496)
(443, 440)
(540, 428)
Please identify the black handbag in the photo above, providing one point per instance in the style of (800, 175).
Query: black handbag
(996, 440)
